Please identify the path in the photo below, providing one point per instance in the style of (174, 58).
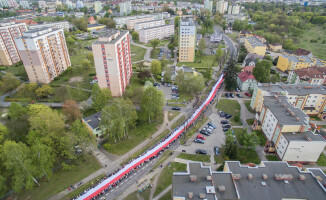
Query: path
(162, 193)
(147, 56)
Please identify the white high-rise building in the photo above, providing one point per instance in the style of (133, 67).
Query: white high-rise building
(79, 4)
(12, 4)
(97, 6)
(221, 6)
(42, 4)
(44, 54)
(4, 3)
(208, 5)
(125, 8)
(69, 4)
(24, 4)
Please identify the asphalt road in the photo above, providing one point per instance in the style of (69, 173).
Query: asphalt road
(231, 47)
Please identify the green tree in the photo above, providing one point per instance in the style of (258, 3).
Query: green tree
(201, 46)
(275, 78)
(151, 104)
(171, 46)
(156, 67)
(8, 82)
(35, 109)
(248, 140)
(176, 22)
(135, 36)
(154, 43)
(44, 91)
(3, 134)
(219, 54)
(71, 110)
(90, 57)
(43, 159)
(82, 136)
(167, 76)
(86, 64)
(99, 99)
(262, 71)
(16, 157)
(230, 75)
(189, 83)
(17, 111)
(208, 73)
(230, 147)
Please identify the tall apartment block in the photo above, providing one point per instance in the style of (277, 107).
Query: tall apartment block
(113, 61)
(44, 53)
(8, 51)
(131, 23)
(125, 8)
(157, 32)
(187, 40)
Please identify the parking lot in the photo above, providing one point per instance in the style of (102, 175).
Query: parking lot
(217, 138)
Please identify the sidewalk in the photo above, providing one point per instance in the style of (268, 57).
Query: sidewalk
(163, 193)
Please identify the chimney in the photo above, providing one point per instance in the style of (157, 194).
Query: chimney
(201, 195)
(302, 177)
(297, 118)
(265, 176)
(221, 188)
(190, 195)
(236, 176)
(193, 178)
(250, 176)
(209, 178)
(319, 178)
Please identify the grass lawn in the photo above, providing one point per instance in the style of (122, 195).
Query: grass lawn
(137, 53)
(167, 196)
(62, 179)
(178, 122)
(165, 178)
(248, 156)
(155, 53)
(162, 43)
(195, 157)
(137, 136)
(237, 132)
(250, 121)
(272, 158)
(219, 159)
(234, 36)
(172, 114)
(321, 160)
(315, 118)
(262, 139)
(318, 49)
(162, 158)
(247, 103)
(231, 107)
(200, 62)
(133, 196)
(16, 71)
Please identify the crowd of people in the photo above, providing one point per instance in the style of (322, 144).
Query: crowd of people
(140, 163)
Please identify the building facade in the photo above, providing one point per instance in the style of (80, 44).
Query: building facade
(64, 25)
(291, 62)
(157, 32)
(246, 81)
(221, 6)
(208, 5)
(187, 40)
(44, 54)
(24, 4)
(113, 61)
(307, 75)
(8, 51)
(97, 6)
(125, 8)
(148, 24)
(254, 45)
(131, 23)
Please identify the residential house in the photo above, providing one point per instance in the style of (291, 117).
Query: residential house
(302, 52)
(246, 81)
(93, 123)
(251, 59)
(306, 75)
(274, 47)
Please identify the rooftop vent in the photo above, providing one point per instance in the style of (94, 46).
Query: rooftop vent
(263, 183)
(297, 118)
(236, 176)
(250, 176)
(319, 178)
(265, 176)
(190, 195)
(221, 188)
(307, 138)
(201, 195)
(210, 190)
(209, 178)
(302, 177)
(283, 176)
(193, 178)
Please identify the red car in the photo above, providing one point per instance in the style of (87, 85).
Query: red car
(201, 137)
(248, 94)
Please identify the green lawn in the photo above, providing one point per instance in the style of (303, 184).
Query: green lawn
(272, 158)
(201, 62)
(231, 107)
(172, 114)
(161, 44)
(247, 103)
(321, 160)
(318, 49)
(315, 118)
(133, 196)
(234, 36)
(237, 132)
(163, 158)
(167, 196)
(248, 156)
(195, 157)
(155, 53)
(62, 179)
(137, 53)
(262, 139)
(137, 136)
(219, 158)
(250, 121)
(165, 178)
(16, 71)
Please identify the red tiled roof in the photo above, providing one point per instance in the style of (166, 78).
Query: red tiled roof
(302, 52)
(309, 72)
(91, 18)
(248, 68)
(245, 75)
(27, 21)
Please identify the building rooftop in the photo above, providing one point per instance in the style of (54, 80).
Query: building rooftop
(255, 42)
(305, 136)
(295, 58)
(93, 120)
(302, 52)
(245, 75)
(303, 89)
(33, 33)
(149, 21)
(154, 27)
(308, 73)
(284, 112)
(110, 36)
(187, 22)
(94, 25)
(273, 88)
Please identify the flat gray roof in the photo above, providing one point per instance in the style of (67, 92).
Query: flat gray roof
(253, 189)
(154, 27)
(303, 136)
(108, 34)
(255, 42)
(303, 89)
(224, 179)
(287, 115)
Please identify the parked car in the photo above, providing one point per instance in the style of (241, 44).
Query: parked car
(239, 95)
(209, 131)
(225, 122)
(231, 95)
(201, 151)
(169, 84)
(248, 94)
(238, 90)
(176, 98)
(225, 129)
(201, 137)
(211, 125)
(204, 132)
(226, 126)
(176, 108)
(209, 128)
(199, 141)
(227, 95)
(175, 95)
(227, 116)
(157, 84)
(216, 150)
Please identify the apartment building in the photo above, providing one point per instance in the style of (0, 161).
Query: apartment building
(44, 54)
(24, 4)
(157, 32)
(221, 6)
(121, 21)
(97, 6)
(187, 40)
(307, 75)
(291, 62)
(255, 45)
(267, 180)
(113, 61)
(208, 5)
(131, 23)
(64, 25)
(148, 24)
(8, 51)
(125, 8)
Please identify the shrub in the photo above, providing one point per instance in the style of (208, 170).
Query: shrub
(237, 118)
